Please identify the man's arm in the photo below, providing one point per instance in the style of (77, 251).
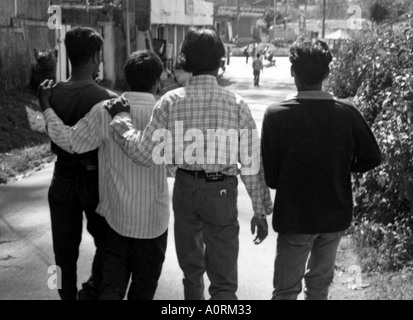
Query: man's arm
(269, 163)
(367, 153)
(83, 137)
(137, 145)
(253, 174)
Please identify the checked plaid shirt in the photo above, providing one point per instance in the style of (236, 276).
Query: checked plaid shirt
(184, 124)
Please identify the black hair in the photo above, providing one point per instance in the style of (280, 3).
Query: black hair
(142, 70)
(82, 43)
(310, 60)
(201, 51)
(258, 55)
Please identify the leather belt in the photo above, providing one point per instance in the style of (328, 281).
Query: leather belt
(208, 177)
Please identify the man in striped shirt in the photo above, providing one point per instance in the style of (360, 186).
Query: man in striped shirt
(133, 199)
(205, 191)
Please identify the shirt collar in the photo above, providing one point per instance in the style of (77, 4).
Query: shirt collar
(204, 79)
(134, 96)
(311, 95)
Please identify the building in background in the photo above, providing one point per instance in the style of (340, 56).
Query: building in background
(236, 20)
(170, 20)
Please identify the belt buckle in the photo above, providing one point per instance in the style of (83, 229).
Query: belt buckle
(214, 176)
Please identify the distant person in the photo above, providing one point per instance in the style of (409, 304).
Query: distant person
(205, 191)
(254, 51)
(74, 187)
(310, 145)
(247, 53)
(257, 67)
(228, 55)
(134, 200)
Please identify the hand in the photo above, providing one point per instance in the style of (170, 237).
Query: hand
(261, 226)
(116, 106)
(44, 93)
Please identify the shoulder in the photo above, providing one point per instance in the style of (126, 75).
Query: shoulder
(347, 106)
(278, 108)
(103, 92)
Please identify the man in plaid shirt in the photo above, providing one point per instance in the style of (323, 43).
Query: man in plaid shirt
(189, 130)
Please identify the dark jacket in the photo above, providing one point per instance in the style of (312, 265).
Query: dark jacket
(310, 147)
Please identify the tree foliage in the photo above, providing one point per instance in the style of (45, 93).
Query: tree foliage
(376, 71)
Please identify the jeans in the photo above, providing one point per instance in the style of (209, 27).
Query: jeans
(311, 257)
(206, 235)
(70, 195)
(125, 257)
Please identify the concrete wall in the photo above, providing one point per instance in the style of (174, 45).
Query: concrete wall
(15, 68)
(33, 9)
(6, 12)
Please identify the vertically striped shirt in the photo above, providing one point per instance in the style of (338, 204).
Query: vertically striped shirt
(196, 112)
(134, 200)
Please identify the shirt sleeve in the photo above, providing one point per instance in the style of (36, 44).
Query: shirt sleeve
(83, 137)
(367, 154)
(270, 163)
(138, 145)
(252, 174)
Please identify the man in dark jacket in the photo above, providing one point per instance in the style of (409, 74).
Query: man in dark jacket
(311, 143)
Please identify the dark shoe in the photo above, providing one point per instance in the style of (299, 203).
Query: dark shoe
(89, 292)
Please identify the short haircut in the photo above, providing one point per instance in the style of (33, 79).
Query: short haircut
(310, 60)
(142, 70)
(258, 55)
(202, 51)
(82, 44)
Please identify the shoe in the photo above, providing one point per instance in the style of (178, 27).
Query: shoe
(89, 292)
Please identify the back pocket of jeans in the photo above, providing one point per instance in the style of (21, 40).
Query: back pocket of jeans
(218, 206)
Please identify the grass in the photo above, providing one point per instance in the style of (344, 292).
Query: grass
(374, 285)
(24, 145)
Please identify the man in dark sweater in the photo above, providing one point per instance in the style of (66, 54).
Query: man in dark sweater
(311, 143)
(74, 187)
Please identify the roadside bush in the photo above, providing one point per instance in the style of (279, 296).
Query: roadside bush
(376, 72)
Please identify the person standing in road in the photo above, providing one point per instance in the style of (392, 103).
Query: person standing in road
(257, 67)
(205, 191)
(310, 145)
(133, 199)
(74, 188)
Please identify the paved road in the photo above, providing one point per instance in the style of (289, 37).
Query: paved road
(25, 236)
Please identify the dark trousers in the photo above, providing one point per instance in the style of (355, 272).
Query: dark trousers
(72, 193)
(257, 78)
(125, 257)
(206, 235)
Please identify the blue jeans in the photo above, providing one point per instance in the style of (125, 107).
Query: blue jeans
(206, 235)
(307, 256)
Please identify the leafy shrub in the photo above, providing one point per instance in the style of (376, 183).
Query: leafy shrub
(376, 72)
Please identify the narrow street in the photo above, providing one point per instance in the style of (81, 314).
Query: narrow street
(25, 237)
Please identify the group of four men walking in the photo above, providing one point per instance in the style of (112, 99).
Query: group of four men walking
(310, 144)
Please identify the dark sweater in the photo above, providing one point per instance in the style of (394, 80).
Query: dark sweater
(72, 101)
(310, 147)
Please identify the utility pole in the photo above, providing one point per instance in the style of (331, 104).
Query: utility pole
(324, 19)
(275, 14)
(125, 5)
(238, 18)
